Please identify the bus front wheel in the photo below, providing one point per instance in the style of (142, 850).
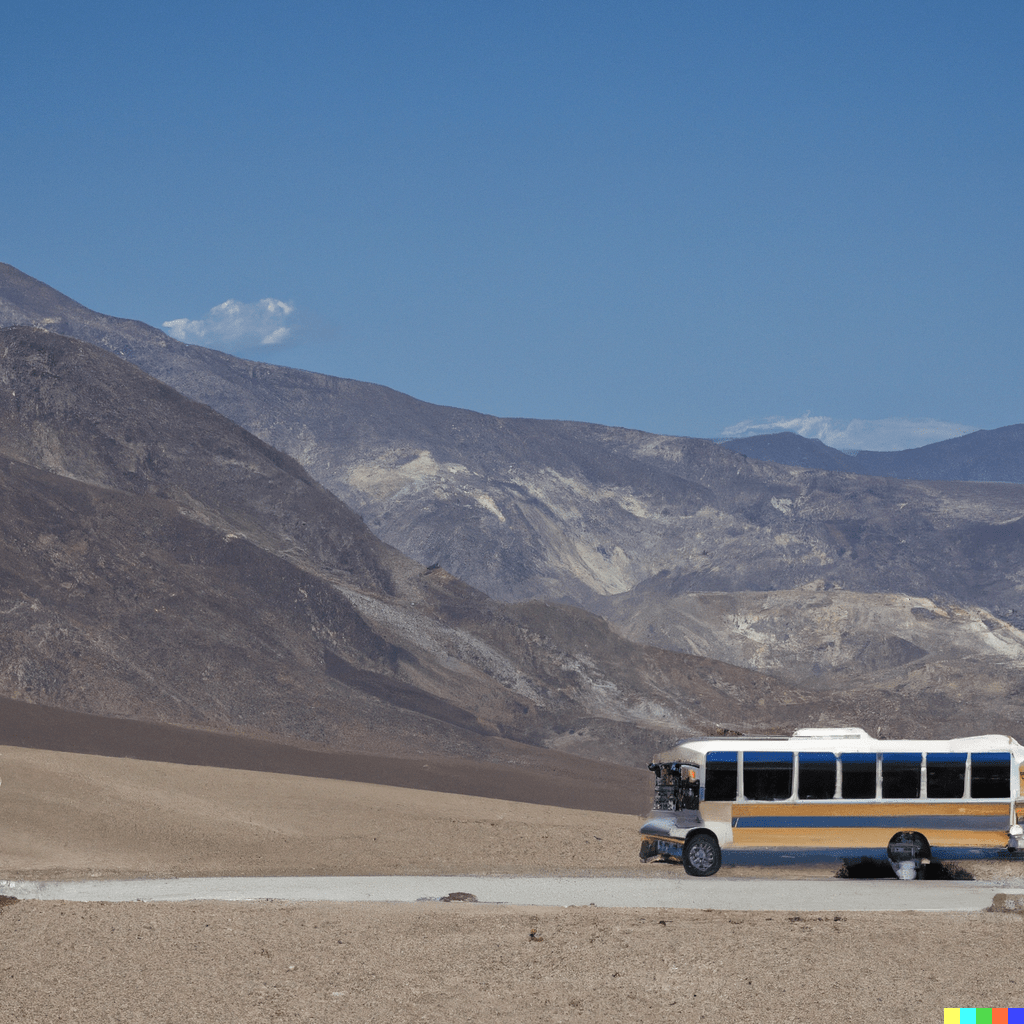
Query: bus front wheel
(702, 855)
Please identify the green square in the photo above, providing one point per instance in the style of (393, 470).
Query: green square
(983, 1016)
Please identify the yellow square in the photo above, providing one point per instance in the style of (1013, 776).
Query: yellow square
(951, 1015)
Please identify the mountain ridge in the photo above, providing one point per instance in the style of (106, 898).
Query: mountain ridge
(626, 525)
(984, 456)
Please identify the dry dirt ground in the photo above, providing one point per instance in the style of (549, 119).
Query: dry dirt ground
(73, 815)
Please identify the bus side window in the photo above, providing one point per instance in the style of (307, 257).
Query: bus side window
(720, 775)
(945, 773)
(901, 776)
(990, 775)
(767, 775)
(858, 776)
(817, 776)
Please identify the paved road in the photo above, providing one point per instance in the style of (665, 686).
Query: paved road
(823, 895)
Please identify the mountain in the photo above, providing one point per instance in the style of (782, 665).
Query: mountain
(789, 449)
(526, 509)
(828, 641)
(636, 527)
(160, 563)
(983, 455)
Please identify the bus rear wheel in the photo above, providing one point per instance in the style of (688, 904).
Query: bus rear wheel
(702, 855)
(908, 852)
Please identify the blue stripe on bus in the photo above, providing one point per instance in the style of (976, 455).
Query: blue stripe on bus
(781, 855)
(768, 757)
(960, 822)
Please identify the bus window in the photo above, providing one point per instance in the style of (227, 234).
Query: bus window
(901, 776)
(858, 776)
(990, 775)
(946, 775)
(817, 776)
(767, 775)
(720, 775)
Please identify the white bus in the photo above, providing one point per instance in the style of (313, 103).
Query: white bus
(839, 794)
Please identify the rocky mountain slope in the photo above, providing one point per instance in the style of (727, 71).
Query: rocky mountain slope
(531, 508)
(935, 652)
(630, 525)
(159, 562)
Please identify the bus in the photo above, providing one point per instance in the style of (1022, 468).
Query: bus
(835, 794)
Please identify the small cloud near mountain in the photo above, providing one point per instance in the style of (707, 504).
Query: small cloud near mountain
(236, 325)
(888, 435)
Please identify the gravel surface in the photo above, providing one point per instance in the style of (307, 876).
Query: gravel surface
(441, 962)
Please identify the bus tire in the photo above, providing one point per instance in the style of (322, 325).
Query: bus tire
(702, 855)
(908, 852)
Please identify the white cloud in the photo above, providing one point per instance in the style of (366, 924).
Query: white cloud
(889, 435)
(236, 325)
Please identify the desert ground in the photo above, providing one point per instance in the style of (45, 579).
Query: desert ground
(79, 816)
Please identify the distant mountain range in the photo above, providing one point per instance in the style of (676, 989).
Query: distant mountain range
(986, 455)
(896, 604)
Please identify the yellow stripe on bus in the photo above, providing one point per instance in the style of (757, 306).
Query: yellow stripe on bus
(852, 838)
(876, 809)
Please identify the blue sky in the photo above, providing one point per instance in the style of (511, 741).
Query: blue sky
(689, 218)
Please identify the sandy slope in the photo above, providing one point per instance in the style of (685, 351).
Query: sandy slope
(66, 815)
(81, 815)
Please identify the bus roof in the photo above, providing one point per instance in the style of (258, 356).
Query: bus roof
(837, 740)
